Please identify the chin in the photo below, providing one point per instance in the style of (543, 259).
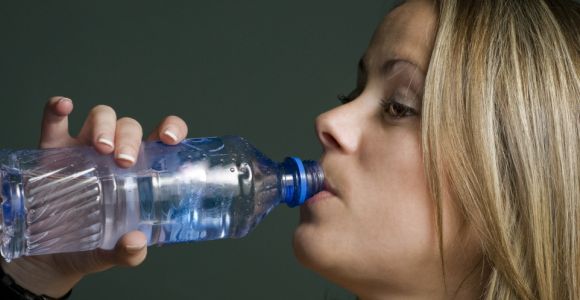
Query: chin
(316, 251)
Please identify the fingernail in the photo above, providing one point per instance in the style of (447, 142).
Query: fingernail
(170, 134)
(124, 155)
(135, 247)
(63, 99)
(105, 141)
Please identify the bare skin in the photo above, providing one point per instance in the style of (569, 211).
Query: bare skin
(374, 232)
(54, 275)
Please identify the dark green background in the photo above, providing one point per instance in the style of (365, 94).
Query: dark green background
(259, 69)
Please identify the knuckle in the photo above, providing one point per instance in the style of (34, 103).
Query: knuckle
(130, 122)
(172, 118)
(50, 103)
(175, 120)
(101, 109)
(53, 99)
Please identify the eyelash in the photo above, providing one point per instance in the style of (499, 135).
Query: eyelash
(391, 107)
(397, 110)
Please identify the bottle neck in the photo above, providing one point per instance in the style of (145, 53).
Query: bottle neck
(300, 180)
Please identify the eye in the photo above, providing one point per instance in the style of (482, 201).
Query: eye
(396, 110)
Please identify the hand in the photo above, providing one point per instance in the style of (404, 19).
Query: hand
(54, 275)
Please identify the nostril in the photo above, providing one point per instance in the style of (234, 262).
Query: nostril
(329, 140)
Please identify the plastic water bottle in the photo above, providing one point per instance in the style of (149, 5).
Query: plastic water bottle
(74, 199)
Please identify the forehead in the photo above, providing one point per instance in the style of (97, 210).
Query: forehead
(406, 33)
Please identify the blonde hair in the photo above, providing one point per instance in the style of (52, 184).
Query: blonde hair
(501, 118)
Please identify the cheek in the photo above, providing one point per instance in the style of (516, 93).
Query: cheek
(387, 224)
(393, 203)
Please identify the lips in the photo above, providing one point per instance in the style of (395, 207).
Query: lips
(327, 192)
(329, 188)
(320, 196)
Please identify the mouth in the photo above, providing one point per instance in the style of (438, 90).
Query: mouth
(329, 188)
(327, 192)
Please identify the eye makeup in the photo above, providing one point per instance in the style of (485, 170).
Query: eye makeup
(402, 83)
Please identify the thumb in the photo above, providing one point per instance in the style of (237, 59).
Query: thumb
(54, 128)
(131, 250)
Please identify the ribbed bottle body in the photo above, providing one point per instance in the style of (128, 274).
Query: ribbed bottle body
(52, 202)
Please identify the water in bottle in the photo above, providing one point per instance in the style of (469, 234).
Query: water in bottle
(73, 199)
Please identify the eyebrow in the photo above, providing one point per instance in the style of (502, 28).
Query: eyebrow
(386, 67)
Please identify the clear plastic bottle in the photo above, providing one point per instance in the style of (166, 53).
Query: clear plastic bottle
(74, 199)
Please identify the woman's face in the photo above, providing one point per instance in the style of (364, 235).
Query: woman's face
(374, 232)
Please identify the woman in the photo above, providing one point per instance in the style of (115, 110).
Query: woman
(452, 169)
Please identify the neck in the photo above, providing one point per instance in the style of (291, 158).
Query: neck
(463, 293)
(469, 286)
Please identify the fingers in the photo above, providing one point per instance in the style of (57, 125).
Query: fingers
(54, 128)
(99, 129)
(128, 136)
(108, 135)
(171, 130)
(131, 250)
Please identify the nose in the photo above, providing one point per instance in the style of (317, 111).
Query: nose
(340, 129)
